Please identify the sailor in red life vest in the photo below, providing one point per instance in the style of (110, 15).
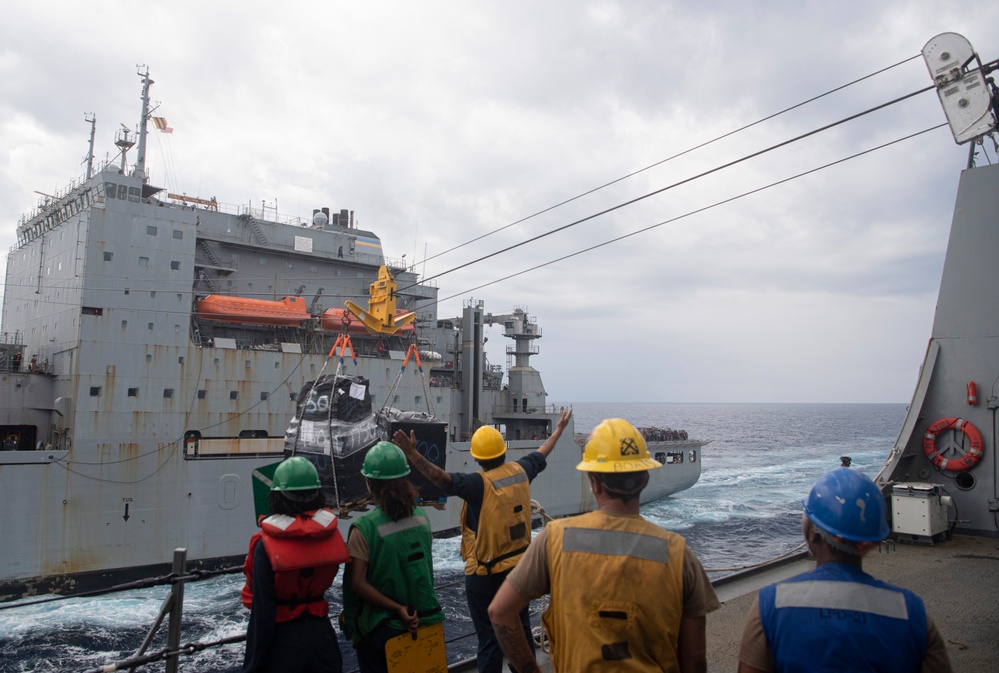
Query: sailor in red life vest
(288, 574)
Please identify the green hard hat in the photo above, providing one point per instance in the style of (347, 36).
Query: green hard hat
(385, 460)
(295, 474)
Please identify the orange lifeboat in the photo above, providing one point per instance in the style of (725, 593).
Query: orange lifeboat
(286, 312)
(334, 318)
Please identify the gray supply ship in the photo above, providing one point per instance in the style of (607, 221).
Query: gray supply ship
(154, 349)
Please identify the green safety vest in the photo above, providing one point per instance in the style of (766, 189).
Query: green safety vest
(400, 565)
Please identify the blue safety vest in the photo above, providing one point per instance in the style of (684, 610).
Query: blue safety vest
(839, 618)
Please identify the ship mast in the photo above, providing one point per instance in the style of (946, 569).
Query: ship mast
(140, 162)
(90, 118)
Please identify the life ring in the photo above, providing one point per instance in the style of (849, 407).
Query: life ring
(971, 456)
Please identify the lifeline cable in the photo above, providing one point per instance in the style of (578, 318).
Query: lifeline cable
(189, 576)
(716, 169)
(670, 158)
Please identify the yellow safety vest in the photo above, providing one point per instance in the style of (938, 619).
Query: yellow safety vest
(616, 594)
(504, 522)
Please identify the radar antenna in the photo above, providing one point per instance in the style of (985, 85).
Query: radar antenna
(124, 143)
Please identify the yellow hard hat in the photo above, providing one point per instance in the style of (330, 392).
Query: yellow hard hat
(487, 443)
(616, 446)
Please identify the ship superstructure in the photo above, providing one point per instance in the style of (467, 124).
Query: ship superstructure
(942, 474)
(153, 349)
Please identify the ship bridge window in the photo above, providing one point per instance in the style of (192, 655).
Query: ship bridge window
(110, 189)
(91, 310)
(95, 391)
(108, 256)
(233, 394)
(134, 194)
(175, 266)
(123, 192)
(133, 392)
(151, 229)
(674, 457)
(143, 261)
(178, 234)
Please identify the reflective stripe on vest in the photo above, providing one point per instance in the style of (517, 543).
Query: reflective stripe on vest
(323, 517)
(616, 543)
(391, 527)
(510, 481)
(842, 596)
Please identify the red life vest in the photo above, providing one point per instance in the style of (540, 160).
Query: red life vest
(293, 544)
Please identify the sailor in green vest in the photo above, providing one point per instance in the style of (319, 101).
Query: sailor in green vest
(390, 585)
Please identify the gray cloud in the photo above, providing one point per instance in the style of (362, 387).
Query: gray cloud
(437, 123)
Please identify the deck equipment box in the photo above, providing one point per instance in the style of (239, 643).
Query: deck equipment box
(919, 512)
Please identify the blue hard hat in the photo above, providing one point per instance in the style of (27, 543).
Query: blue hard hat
(847, 504)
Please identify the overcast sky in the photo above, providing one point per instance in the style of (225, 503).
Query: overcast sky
(438, 122)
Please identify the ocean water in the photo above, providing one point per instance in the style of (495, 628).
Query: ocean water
(746, 508)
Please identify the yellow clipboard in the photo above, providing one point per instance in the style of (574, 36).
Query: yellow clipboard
(424, 654)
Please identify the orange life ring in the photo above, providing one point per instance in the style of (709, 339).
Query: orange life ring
(968, 460)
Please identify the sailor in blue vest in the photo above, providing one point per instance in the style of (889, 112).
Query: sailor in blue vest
(837, 617)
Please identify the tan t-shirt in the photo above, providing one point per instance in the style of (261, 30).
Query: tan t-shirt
(755, 650)
(532, 579)
(357, 546)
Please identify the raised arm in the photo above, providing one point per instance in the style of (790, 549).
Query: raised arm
(563, 421)
(407, 443)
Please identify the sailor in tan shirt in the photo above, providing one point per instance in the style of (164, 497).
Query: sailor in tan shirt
(625, 593)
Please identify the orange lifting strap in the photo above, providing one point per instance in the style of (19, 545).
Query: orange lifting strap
(343, 342)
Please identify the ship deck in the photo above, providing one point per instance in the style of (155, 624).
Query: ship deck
(956, 580)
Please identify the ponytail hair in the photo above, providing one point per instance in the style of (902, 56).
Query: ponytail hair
(396, 497)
